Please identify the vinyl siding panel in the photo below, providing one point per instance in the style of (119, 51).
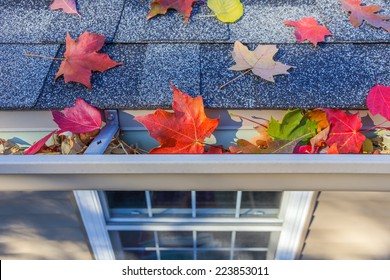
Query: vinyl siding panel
(349, 225)
(41, 225)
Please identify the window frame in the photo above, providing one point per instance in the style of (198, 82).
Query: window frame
(296, 211)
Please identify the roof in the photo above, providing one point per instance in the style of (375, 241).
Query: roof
(194, 57)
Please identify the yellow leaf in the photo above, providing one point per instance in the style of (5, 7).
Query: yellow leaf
(226, 10)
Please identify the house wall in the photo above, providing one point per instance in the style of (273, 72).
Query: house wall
(41, 225)
(349, 225)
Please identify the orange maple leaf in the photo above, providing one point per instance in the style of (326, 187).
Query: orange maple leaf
(160, 7)
(308, 29)
(184, 130)
(368, 13)
(81, 58)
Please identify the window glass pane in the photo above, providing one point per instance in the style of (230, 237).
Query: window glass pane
(213, 255)
(140, 255)
(161, 199)
(176, 239)
(177, 255)
(215, 204)
(252, 239)
(216, 199)
(249, 255)
(116, 199)
(261, 199)
(214, 239)
(137, 239)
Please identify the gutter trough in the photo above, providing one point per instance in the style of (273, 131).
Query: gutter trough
(226, 172)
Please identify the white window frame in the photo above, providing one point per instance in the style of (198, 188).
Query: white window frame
(295, 212)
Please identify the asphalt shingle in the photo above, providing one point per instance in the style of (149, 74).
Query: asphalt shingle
(21, 77)
(263, 20)
(165, 63)
(134, 27)
(115, 88)
(215, 61)
(338, 23)
(333, 76)
(24, 21)
(33, 22)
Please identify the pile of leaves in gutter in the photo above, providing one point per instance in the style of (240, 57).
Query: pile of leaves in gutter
(185, 129)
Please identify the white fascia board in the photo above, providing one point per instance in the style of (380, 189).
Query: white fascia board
(196, 172)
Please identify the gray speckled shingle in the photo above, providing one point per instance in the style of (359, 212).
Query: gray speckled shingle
(33, 22)
(96, 16)
(263, 20)
(24, 21)
(115, 88)
(215, 61)
(21, 77)
(165, 63)
(333, 76)
(338, 23)
(134, 27)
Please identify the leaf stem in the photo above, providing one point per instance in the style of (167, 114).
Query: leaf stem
(224, 85)
(43, 56)
(244, 118)
(374, 127)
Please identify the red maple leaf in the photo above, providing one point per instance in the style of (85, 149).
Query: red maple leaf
(81, 118)
(368, 13)
(160, 7)
(184, 130)
(344, 131)
(81, 58)
(68, 6)
(39, 144)
(378, 101)
(308, 29)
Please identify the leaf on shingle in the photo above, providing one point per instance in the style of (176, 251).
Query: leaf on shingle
(260, 61)
(366, 13)
(161, 7)
(81, 58)
(226, 10)
(68, 6)
(308, 29)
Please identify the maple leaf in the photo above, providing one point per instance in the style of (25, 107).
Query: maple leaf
(39, 144)
(308, 29)
(81, 58)
(369, 14)
(160, 7)
(333, 149)
(293, 125)
(81, 118)
(260, 61)
(319, 116)
(226, 10)
(68, 6)
(184, 130)
(344, 131)
(378, 101)
(274, 147)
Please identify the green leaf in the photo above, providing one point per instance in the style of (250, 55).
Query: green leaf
(293, 125)
(226, 10)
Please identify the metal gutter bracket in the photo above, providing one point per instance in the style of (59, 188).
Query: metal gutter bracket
(101, 142)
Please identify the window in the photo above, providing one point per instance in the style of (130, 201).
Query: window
(201, 225)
